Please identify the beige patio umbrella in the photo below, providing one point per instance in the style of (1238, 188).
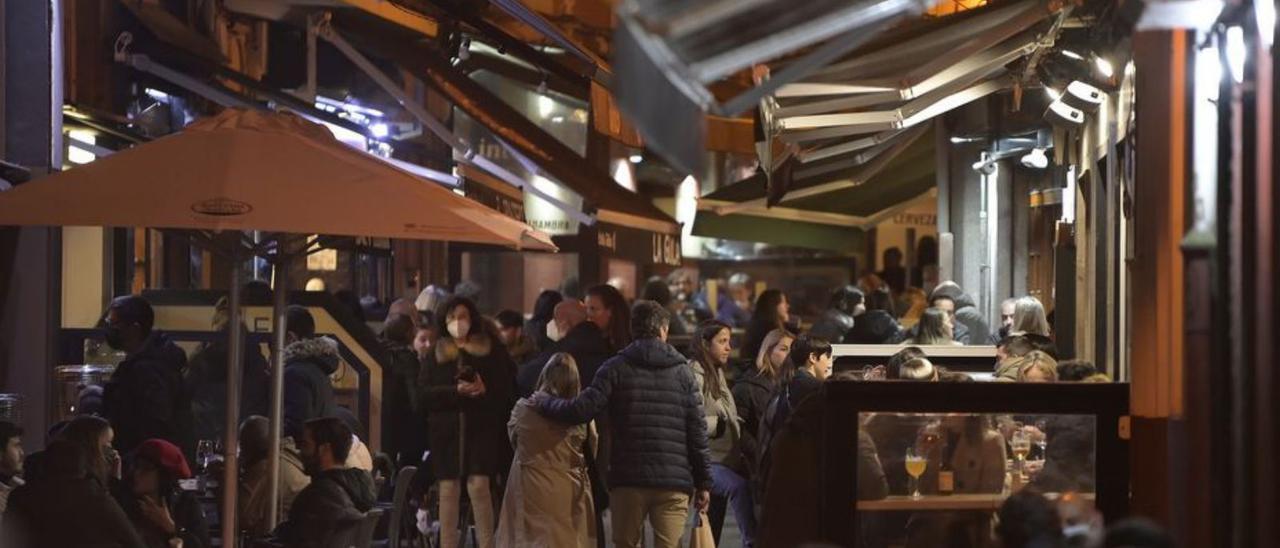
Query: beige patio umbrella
(257, 170)
(267, 171)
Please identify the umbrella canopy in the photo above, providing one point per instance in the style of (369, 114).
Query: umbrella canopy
(256, 170)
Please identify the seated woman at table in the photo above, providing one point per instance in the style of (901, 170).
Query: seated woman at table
(976, 454)
(160, 510)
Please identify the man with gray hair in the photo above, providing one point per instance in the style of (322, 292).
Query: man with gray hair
(659, 455)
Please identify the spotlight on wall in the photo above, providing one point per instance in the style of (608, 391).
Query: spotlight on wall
(1083, 96)
(1062, 114)
(1036, 159)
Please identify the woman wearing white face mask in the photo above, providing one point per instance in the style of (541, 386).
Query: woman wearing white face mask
(469, 387)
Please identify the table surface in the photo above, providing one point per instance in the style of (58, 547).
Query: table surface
(990, 501)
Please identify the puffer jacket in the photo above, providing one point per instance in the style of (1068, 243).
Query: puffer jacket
(654, 411)
(308, 392)
(404, 432)
(146, 397)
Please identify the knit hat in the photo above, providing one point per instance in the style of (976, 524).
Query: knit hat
(165, 454)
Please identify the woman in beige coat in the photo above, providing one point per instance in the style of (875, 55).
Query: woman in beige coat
(548, 499)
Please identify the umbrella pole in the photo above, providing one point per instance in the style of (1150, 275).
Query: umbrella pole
(235, 363)
(280, 295)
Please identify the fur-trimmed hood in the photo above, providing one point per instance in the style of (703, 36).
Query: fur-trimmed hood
(321, 351)
(478, 345)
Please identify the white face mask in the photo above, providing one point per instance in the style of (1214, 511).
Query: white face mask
(457, 329)
(553, 332)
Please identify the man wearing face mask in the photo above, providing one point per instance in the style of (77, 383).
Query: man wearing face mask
(145, 398)
(571, 333)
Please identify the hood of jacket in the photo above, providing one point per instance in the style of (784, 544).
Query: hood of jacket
(873, 327)
(357, 483)
(653, 353)
(321, 351)
(953, 292)
(478, 345)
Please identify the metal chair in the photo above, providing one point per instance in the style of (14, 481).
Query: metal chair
(400, 507)
(364, 533)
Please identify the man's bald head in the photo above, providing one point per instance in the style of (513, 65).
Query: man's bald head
(569, 313)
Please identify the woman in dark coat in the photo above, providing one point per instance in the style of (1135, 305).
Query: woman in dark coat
(469, 390)
(543, 310)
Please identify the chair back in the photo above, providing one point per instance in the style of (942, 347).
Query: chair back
(364, 534)
(400, 505)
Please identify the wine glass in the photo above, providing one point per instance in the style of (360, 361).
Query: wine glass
(1042, 440)
(916, 464)
(204, 454)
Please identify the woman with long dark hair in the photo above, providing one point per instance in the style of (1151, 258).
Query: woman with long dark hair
(728, 468)
(935, 328)
(469, 387)
(94, 436)
(607, 308)
(772, 312)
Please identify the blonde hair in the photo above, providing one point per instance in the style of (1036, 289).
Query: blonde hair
(919, 302)
(1098, 377)
(1029, 317)
(771, 341)
(560, 376)
(1038, 361)
(918, 369)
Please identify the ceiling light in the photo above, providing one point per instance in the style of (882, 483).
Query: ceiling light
(1062, 114)
(1104, 67)
(1053, 94)
(379, 130)
(1265, 14)
(961, 140)
(1073, 55)
(636, 158)
(1036, 159)
(1083, 96)
(545, 106)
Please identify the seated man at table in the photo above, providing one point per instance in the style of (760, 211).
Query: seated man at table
(336, 495)
(255, 499)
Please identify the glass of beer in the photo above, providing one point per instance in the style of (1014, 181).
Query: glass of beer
(916, 465)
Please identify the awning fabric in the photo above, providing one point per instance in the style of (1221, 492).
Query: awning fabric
(254, 170)
(834, 220)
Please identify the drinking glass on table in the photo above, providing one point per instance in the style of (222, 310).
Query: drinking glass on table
(1021, 445)
(205, 450)
(916, 465)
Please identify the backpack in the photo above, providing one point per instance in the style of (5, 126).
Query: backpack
(775, 416)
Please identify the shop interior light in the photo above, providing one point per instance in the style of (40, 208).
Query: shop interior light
(545, 106)
(1073, 55)
(77, 155)
(636, 158)
(1104, 66)
(1236, 53)
(1264, 12)
(380, 130)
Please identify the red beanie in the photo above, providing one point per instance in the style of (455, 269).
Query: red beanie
(167, 455)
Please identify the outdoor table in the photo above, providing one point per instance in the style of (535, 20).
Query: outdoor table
(959, 502)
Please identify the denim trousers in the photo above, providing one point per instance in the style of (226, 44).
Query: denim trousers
(737, 491)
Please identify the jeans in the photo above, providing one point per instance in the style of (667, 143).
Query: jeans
(732, 486)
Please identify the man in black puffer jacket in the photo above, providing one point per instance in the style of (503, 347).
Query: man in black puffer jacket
(659, 454)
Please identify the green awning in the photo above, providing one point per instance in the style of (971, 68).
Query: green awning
(836, 220)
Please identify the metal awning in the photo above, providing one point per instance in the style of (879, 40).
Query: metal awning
(823, 212)
(668, 52)
(554, 159)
